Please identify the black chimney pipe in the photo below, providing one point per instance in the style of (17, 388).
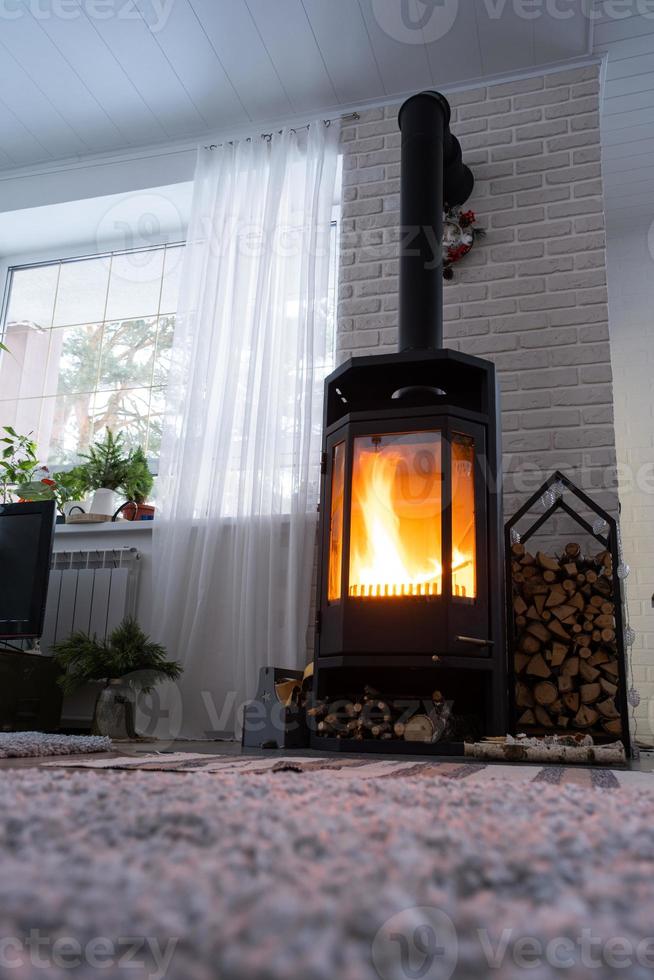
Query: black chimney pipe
(433, 175)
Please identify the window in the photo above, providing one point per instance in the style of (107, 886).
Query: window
(89, 349)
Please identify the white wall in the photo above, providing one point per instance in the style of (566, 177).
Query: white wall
(631, 305)
(95, 177)
(133, 219)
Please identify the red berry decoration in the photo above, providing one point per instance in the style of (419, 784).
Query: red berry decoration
(459, 235)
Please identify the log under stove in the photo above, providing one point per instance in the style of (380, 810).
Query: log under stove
(411, 581)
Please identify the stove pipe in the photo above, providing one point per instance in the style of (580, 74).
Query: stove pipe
(433, 175)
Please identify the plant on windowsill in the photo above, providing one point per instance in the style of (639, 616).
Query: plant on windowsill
(128, 663)
(71, 488)
(138, 486)
(21, 474)
(106, 465)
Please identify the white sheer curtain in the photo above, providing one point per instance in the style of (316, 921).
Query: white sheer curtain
(239, 473)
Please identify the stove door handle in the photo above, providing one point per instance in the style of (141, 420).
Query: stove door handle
(475, 641)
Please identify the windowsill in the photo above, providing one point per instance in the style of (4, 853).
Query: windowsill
(108, 527)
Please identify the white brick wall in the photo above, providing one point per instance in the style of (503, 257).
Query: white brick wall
(531, 296)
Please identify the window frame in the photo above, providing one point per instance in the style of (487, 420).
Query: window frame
(77, 253)
(90, 250)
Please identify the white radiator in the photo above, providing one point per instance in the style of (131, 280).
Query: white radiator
(91, 591)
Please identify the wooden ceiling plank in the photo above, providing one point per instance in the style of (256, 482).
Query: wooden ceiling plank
(507, 39)
(624, 122)
(289, 41)
(94, 62)
(20, 147)
(27, 102)
(643, 142)
(631, 47)
(612, 12)
(456, 57)
(643, 158)
(626, 86)
(237, 42)
(32, 48)
(341, 35)
(143, 61)
(400, 51)
(626, 67)
(622, 142)
(628, 103)
(610, 30)
(560, 38)
(192, 57)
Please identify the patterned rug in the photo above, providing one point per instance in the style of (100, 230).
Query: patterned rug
(25, 745)
(340, 768)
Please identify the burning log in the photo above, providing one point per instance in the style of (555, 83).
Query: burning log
(565, 653)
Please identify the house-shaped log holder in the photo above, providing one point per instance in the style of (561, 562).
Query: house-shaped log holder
(566, 624)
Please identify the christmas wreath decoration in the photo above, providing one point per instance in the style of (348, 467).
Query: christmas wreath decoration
(459, 235)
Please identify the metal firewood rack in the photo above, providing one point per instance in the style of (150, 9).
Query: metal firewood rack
(608, 537)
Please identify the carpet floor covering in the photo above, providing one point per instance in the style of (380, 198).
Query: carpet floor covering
(360, 768)
(23, 745)
(278, 875)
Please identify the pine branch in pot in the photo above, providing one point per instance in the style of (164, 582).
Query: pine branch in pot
(106, 467)
(128, 663)
(138, 486)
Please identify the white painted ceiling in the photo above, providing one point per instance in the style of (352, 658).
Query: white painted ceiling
(90, 76)
(82, 77)
(627, 42)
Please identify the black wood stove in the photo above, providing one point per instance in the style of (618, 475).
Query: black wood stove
(411, 581)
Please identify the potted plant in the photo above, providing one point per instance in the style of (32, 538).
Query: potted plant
(21, 474)
(138, 486)
(106, 468)
(127, 662)
(71, 488)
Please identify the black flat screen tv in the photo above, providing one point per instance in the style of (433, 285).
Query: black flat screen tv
(26, 537)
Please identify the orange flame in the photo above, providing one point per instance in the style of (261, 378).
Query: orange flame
(395, 536)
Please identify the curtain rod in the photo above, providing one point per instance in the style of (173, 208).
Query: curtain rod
(292, 129)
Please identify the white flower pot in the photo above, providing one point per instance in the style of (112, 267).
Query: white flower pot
(114, 709)
(105, 502)
(77, 506)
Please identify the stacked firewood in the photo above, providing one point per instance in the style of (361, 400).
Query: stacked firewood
(565, 649)
(373, 716)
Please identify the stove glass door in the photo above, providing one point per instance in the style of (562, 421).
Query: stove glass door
(396, 516)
